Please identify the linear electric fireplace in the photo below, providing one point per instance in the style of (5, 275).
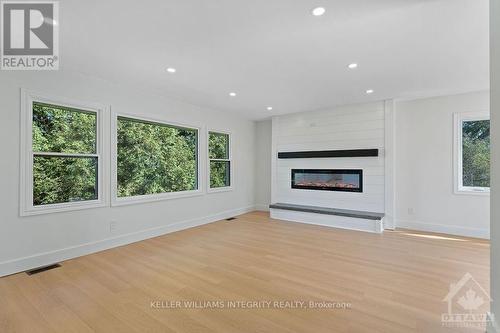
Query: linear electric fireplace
(328, 180)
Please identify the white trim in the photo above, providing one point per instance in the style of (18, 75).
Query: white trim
(444, 229)
(115, 200)
(26, 154)
(48, 258)
(230, 160)
(140, 199)
(390, 165)
(218, 189)
(458, 119)
(274, 157)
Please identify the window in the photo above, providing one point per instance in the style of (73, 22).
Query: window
(473, 153)
(61, 156)
(219, 154)
(154, 160)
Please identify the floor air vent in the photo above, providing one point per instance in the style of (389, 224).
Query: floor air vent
(231, 218)
(42, 269)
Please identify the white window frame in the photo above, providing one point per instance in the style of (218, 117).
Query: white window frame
(230, 160)
(459, 119)
(117, 201)
(27, 155)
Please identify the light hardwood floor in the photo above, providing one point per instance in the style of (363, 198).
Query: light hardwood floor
(395, 282)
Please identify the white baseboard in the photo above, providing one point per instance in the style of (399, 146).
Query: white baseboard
(328, 220)
(493, 327)
(262, 207)
(444, 229)
(48, 258)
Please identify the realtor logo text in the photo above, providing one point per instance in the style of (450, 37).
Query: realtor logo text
(30, 35)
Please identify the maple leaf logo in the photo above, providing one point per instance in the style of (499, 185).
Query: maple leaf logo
(470, 301)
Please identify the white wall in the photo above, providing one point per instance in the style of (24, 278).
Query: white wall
(31, 241)
(425, 197)
(495, 155)
(263, 164)
(348, 127)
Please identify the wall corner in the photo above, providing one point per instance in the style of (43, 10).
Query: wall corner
(390, 164)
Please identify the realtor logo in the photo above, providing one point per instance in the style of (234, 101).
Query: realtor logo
(468, 304)
(30, 35)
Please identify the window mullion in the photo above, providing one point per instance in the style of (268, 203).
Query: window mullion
(220, 160)
(53, 154)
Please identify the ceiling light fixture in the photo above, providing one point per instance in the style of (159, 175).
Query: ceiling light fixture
(318, 11)
(232, 94)
(353, 66)
(171, 70)
(370, 91)
(269, 108)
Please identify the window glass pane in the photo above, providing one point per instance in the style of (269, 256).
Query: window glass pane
(155, 158)
(218, 146)
(220, 174)
(64, 179)
(476, 153)
(63, 130)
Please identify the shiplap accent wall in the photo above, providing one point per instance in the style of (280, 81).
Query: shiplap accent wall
(348, 127)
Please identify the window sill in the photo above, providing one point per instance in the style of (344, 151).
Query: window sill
(466, 191)
(60, 208)
(220, 189)
(154, 197)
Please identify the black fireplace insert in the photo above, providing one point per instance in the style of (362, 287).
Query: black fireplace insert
(328, 179)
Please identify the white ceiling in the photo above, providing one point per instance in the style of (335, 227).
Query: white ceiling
(275, 53)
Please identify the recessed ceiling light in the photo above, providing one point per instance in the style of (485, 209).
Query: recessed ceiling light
(269, 108)
(353, 66)
(232, 94)
(370, 91)
(171, 70)
(318, 11)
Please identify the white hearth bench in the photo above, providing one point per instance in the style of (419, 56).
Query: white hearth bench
(330, 217)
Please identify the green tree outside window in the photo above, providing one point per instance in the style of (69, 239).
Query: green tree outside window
(476, 153)
(65, 162)
(155, 158)
(219, 159)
